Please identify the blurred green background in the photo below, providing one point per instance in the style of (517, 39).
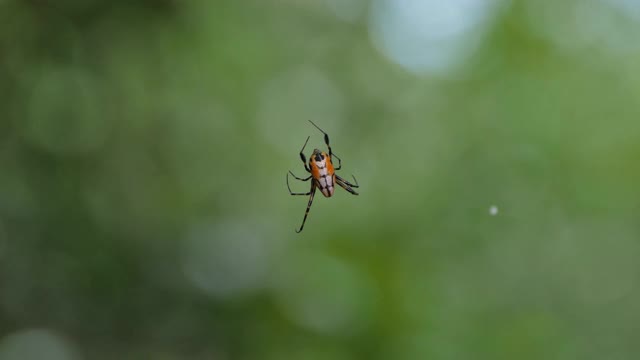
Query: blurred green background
(143, 206)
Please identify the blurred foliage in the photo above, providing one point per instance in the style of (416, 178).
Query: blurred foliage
(144, 212)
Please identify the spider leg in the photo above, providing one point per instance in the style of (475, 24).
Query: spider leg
(303, 158)
(288, 187)
(348, 183)
(313, 192)
(339, 162)
(297, 178)
(344, 185)
(326, 139)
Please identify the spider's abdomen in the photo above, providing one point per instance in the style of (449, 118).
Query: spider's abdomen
(323, 173)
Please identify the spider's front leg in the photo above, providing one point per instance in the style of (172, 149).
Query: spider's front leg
(304, 158)
(326, 141)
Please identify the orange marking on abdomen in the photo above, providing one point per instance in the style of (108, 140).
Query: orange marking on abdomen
(330, 169)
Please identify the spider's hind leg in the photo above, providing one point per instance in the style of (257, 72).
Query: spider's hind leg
(348, 183)
(312, 193)
(345, 185)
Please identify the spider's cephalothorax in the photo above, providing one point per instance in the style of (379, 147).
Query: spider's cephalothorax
(323, 174)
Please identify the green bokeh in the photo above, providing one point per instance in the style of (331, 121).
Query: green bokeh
(144, 212)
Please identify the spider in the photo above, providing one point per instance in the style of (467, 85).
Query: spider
(323, 174)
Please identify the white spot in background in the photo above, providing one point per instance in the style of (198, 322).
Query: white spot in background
(298, 95)
(493, 210)
(226, 259)
(430, 36)
(324, 294)
(37, 344)
(347, 10)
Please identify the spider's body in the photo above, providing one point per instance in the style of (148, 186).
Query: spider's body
(322, 171)
(323, 174)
